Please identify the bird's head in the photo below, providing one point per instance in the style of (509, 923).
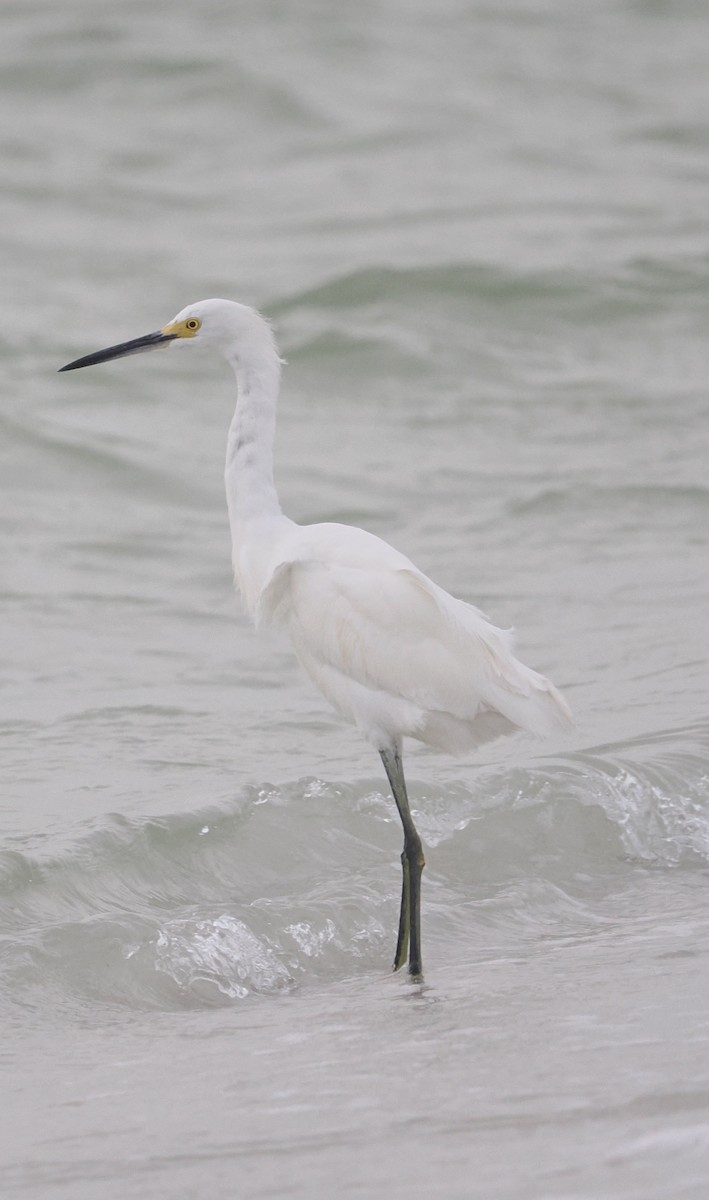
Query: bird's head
(232, 330)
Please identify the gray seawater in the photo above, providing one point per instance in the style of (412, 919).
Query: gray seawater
(482, 233)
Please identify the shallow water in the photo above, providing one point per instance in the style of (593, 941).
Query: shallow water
(481, 234)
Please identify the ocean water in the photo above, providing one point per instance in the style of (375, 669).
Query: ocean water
(481, 232)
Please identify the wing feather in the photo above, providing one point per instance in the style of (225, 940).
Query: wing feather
(392, 630)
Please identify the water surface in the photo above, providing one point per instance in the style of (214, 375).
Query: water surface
(481, 233)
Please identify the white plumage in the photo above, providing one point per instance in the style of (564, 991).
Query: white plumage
(394, 653)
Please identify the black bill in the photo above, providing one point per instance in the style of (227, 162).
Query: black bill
(151, 341)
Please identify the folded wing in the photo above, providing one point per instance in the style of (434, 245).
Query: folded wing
(388, 630)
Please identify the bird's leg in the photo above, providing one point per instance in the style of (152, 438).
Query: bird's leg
(412, 864)
(402, 941)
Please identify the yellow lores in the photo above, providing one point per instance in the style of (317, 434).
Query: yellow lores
(180, 329)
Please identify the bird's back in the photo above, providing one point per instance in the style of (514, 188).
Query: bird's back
(392, 651)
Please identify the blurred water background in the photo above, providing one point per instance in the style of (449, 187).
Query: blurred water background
(482, 232)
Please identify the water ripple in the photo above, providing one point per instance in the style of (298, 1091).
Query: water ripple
(300, 882)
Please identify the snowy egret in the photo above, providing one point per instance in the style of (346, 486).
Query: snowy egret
(394, 653)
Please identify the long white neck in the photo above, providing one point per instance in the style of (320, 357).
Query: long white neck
(250, 490)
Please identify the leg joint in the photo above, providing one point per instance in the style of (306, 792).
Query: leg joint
(413, 852)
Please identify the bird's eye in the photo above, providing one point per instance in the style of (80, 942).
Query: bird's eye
(193, 323)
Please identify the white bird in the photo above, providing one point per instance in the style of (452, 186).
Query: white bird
(394, 653)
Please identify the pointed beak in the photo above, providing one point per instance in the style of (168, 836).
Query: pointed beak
(150, 341)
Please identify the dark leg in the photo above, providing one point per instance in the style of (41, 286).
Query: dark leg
(412, 864)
